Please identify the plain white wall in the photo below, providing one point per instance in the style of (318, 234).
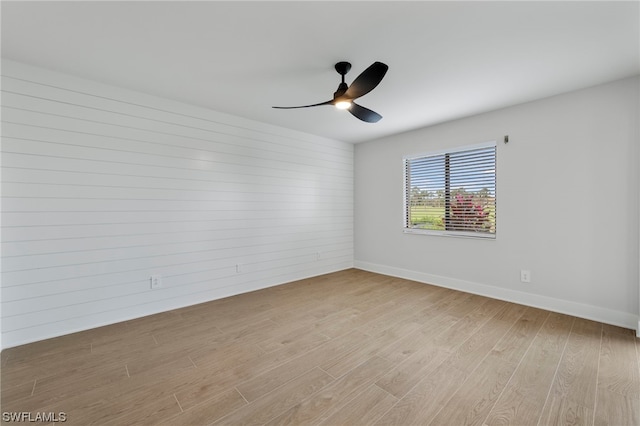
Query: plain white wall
(103, 187)
(567, 205)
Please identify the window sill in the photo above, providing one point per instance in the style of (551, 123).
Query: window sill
(454, 234)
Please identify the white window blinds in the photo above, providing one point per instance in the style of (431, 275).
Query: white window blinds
(452, 193)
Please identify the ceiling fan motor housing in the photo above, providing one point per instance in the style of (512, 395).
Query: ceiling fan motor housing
(342, 88)
(343, 68)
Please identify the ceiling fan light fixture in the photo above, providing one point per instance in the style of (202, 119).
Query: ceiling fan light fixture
(345, 95)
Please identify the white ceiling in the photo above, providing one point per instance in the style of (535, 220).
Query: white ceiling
(446, 59)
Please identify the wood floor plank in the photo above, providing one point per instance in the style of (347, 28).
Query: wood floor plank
(150, 323)
(252, 334)
(296, 336)
(429, 392)
(462, 329)
(565, 411)
(618, 387)
(145, 405)
(45, 350)
(325, 403)
(11, 397)
(68, 384)
(442, 316)
(365, 409)
(31, 366)
(315, 315)
(402, 379)
(616, 409)
(473, 401)
(207, 411)
(146, 412)
(404, 311)
(279, 400)
(422, 364)
(618, 360)
(512, 347)
(149, 393)
(261, 384)
(340, 364)
(473, 350)
(523, 399)
(130, 345)
(212, 356)
(475, 397)
(347, 348)
(573, 392)
(186, 334)
(338, 328)
(217, 376)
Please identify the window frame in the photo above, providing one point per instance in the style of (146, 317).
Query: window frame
(448, 232)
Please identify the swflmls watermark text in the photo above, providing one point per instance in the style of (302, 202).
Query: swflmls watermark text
(27, 417)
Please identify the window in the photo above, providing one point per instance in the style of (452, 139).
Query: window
(452, 192)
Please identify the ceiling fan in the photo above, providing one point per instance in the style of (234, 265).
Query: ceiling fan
(345, 95)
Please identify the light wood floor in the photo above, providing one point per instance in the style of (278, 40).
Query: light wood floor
(349, 348)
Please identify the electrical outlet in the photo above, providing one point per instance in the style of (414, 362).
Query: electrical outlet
(318, 257)
(525, 276)
(238, 268)
(156, 281)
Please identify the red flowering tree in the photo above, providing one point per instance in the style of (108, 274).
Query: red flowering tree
(467, 214)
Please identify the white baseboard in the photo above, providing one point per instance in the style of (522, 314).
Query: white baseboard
(595, 313)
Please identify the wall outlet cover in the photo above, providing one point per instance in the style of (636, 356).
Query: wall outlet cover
(156, 281)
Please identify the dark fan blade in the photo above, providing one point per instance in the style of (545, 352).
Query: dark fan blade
(367, 81)
(364, 114)
(305, 106)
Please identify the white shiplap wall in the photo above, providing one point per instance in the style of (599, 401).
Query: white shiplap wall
(103, 187)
